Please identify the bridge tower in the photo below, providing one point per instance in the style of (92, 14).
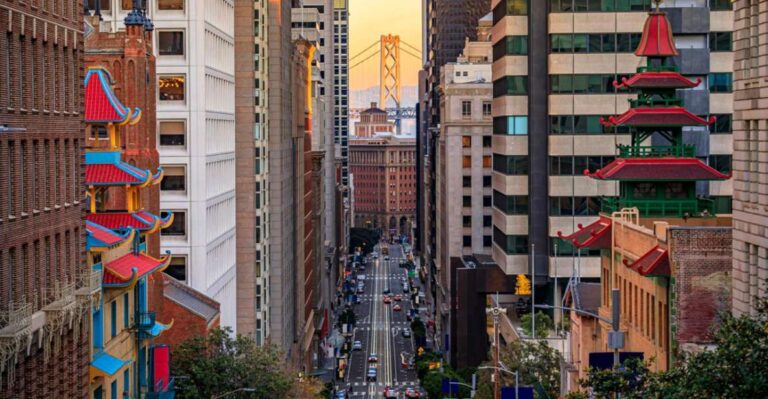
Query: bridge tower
(389, 77)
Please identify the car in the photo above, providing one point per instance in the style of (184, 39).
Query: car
(405, 287)
(341, 394)
(386, 257)
(397, 308)
(387, 299)
(398, 297)
(357, 346)
(361, 277)
(387, 291)
(389, 393)
(373, 358)
(360, 290)
(371, 376)
(358, 299)
(362, 268)
(412, 393)
(406, 333)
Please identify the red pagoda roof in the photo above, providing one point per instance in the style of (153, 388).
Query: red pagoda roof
(657, 40)
(101, 103)
(98, 235)
(663, 80)
(662, 168)
(596, 235)
(132, 266)
(657, 116)
(653, 263)
(141, 220)
(104, 168)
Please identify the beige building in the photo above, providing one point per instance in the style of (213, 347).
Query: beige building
(372, 122)
(750, 155)
(463, 167)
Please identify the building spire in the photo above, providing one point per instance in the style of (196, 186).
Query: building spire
(136, 16)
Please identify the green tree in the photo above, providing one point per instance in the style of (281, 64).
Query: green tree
(537, 363)
(544, 324)
(433, 383)
(219, 363)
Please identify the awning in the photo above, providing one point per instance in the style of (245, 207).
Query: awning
(662, 168)
(104, 365)
(596, 235)
(653, 263)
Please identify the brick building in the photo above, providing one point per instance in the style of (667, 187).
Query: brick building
(384, 176)
(372, 122)
(44, 282)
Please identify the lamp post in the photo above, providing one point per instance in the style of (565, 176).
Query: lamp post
(496, 312)
(234, 391)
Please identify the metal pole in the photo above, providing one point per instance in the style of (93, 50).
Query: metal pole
(616, 315)
(555, 293)
(517, 384)
(496, 382)
(533, 291)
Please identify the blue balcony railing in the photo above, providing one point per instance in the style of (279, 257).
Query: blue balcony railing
(168, 393)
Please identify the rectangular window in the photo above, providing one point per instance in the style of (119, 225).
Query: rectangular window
(721, 163)
(170, 42)
(174, 179)
(127, 381)
(510, 244)
(720, 41)
(487, 181)
(113, 319)
(723, 124)
(466, 181)
(170, 4)
(487, 241)
(466, 108)
(171, 88)
(487, 108)
(126, 313)
(487, 161)
(509, 7)
(487, 220)
(720, 5)
(113, 390)
(487, 201)
(510, 86)
(178, 227)
(510, 45)
(177, 268)
(466, 201)
(466, 221)
(172, 133)
(510, 164)
(466, 141)
(467, 241)
(487, 143)
(721, 82)
(510, 204)
(466, 162)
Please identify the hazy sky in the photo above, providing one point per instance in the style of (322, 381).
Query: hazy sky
(368, 20)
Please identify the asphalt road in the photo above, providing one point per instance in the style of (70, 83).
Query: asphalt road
(379, 328)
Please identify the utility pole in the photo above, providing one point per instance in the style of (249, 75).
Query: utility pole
(496, 312)
(533, 291)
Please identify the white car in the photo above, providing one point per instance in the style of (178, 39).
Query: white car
(361, 277)
(357, 346)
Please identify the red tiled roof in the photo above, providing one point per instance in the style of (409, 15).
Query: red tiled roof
(132, 266)
(662, 168)
(140, 220)
(657, 116)
(653, 263)
(665, 80)
(109, 174)
(103, 234)
(101, 104)
(596, 235)
(657, 39)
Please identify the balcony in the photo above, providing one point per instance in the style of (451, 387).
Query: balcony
(656, 102)
(145, 323)
(699, 207)
(650, 151)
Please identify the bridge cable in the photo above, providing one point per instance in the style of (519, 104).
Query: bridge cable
(412, 47)
(366, 59)
(367, 48)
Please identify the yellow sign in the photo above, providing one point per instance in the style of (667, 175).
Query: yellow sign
(420, 351)
(523, 285)
(434, 365)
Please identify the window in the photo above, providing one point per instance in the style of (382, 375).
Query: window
(487, 220)
(466, 141)
(467, 241)
(177, 268)
(126, 313)
(170, 43)
(171, 88)
(487, 181)
(510, 204)
(487, 241)
(172, 133)
(174, 179)
(510, 45)
(487, 142)
(510, 125)
(723, 124)
(113, 390)
(510, 164)
(487, 200)
(466, 221)
(178, 227)
(113, 318)
(466, 201)
(720, 41)
(582, 84)
(487, 108)
(466, 108)
(560, 247)
(127, 381)
(466, 181)
(509, 7)
(594, 42)
(487, 161)
(510, 86)
(512, 244)
(720, 82)
(720, 5)
(581, 124)
(104, 5)
(466, 162)
(170, 4)
(721, 163)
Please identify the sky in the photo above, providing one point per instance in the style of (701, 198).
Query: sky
(368, 20)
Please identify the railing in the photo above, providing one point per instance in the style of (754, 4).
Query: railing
(146, 321)
(686, 150)
(699, 207)
(168, 393)
(664, 68)
(15, 317)
(652, 102)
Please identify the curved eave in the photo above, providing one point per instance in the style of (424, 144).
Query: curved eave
(129, 282)
(597, 231)
(158, 177)
(123, 113)
(159, 328)
(649, 117)
(167, 221)
(136, 117)
(128, 237)
(650, 80)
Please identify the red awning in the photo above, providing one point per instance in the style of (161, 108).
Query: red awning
(657, 39)
(126, 269)
(662, 168)
(657, 116)
(653, 263)
(596, 235)
(663, 80)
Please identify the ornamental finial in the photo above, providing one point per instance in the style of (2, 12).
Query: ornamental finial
(658, 3)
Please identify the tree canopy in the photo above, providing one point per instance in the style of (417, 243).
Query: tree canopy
(544, 324)
(537, 363)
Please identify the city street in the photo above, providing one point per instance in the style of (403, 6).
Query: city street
(380, 330)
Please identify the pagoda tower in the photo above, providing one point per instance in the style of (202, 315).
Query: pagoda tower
(658, 180)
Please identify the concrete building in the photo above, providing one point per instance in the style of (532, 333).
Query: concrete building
(750, 123)
(196, 138)
(463, 169)
(553, 73)
(372, 122)
(44, 280)
(251, 136)
(341, 84)
(385, 183)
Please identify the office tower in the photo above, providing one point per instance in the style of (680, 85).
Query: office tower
(251, 136)
(750, 123)
(341, 83)
(43, 277)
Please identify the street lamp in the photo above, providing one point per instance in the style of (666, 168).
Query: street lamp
(234, 391)
(496, 312)
(504, 368)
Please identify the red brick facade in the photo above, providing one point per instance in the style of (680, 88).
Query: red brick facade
(42, 235)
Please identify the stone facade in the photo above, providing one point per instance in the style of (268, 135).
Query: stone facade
(750, 154)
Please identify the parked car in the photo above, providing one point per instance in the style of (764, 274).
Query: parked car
(389, 393)
(357, 346)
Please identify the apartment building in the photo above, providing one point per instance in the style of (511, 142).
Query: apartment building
(44, 280)
(196, 138)
(750, 123)
(554, 67)
(341, 84)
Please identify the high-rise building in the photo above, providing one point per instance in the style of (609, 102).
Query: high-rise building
(750, 123)
(555, 64)
(196, 137)
(341, 84)
(43, 274)
(251, 136)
